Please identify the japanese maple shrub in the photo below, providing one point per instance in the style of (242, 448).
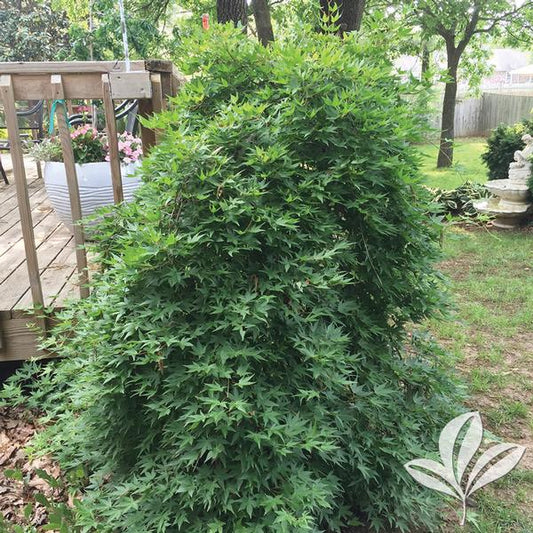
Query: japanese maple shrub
(242, 363)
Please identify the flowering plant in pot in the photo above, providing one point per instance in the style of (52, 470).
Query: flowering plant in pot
(91, 154)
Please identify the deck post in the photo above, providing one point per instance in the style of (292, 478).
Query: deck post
(159, 103)
(72, 182)
(8, 96)
(146, 109)
(112, 139)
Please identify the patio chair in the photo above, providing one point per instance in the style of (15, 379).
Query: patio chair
(3, 173)
(127, 109)
(29, 119)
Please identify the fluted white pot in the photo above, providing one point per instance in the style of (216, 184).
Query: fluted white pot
(94, 182)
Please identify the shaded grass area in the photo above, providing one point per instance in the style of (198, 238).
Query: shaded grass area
(490, 340)
(467, 165)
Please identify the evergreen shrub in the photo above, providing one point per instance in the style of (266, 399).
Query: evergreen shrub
(242, 364)
(502, 143)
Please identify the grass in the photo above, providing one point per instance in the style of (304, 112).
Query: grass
(467, 164)
(490, 337)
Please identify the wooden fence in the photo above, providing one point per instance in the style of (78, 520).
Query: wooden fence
(151, 82)
(476, 117)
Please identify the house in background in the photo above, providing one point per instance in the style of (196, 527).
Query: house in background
(505, 61)
(521, 75)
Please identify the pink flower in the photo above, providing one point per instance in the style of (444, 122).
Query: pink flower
(129, 147)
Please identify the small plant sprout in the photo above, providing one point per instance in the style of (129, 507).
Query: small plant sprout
(454, 476)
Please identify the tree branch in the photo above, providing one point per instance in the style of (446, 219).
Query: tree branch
(506, 16)
(469, 30)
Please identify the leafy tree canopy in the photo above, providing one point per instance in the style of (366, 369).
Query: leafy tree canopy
(95, 30)
(30, 30)
(460, 23)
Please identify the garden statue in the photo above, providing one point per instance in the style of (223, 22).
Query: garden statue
(511, 198)
(521, 166)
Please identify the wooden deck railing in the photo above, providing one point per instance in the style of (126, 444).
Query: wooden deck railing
(151, 82)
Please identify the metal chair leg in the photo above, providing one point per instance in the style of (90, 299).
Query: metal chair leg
(3, 173)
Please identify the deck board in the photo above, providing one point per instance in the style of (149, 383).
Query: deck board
(55, 275)
(55, 245)
(11, 220)
(9, 196)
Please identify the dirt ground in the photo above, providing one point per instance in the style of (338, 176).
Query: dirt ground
(21, 477)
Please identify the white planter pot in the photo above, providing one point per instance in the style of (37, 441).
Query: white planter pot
(94, 182)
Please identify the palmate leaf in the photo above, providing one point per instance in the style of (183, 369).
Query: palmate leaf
(451, 488)
(498, 469)
(469, 446)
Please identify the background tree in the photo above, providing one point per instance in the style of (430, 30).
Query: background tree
(102, 40)
(459, 23)
(232, 11)
(263, 22)
(350, 12)
(32, 31)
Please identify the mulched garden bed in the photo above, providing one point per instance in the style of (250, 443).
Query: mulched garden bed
(21, 481)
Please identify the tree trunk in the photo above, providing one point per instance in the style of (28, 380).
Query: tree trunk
(425, 60)
(232, 11)
(447, 133)
(351, 13)
(263, 23)
(357, 15)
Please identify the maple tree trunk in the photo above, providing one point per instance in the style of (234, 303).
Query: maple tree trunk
(263, 23)
(232, 11)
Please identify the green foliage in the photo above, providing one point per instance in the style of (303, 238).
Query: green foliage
(463, 26)
(503, 142)
(469, 17)
(32, 31)
(241, 364)
(146, 38)
(88, 147)
(459, 201)
(47, 150)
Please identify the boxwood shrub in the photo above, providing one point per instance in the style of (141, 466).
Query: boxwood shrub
(242, 364)
(502, 143)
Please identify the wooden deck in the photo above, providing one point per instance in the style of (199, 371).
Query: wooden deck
(56, 257)
(37, 253)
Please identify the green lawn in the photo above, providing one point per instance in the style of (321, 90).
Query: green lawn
(467, 164)
(490, 341)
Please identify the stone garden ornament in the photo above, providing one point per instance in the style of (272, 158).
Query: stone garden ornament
(511, 202)
(457, 474)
